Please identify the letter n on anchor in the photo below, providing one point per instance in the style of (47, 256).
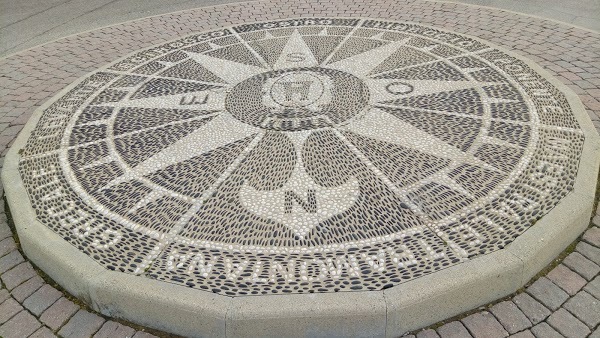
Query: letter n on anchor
(310, 205)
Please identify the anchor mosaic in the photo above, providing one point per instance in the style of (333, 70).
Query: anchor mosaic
(299, 156)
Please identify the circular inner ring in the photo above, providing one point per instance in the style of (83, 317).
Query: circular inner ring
(297, 89)
(298, 99)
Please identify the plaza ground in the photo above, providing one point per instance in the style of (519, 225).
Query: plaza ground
(563, 302)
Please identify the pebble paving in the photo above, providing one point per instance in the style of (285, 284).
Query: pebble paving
(302, 155)
(552, 305)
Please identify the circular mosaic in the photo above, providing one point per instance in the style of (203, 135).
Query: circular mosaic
(305, 155)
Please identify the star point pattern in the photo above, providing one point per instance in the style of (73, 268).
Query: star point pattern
(305, 155)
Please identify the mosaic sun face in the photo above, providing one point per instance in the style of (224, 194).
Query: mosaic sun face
(309, 155)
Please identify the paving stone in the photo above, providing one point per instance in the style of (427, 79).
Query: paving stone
(82, 324)
(534, 310)
(5, 231)
(566, 324)
(547, 293)
(523, 334)
(9, 308)
(17, 275)
(592, 236)
(453, 329)
(10, 261)
(21, 292)
(543, 330)
(7, 245)
(595, 334)
(112, 329)
(509, 315)
(593, 287)
(583, 266)
(568, 280)
(585, 307)
(42, 299)
(43, 332)
(483, 324)
(429, 333)
(141, 334)
(57, 314)
(589, 251)
(19, 326)
(4, 295)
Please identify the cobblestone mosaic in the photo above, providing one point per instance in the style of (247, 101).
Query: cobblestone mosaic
(303, 155)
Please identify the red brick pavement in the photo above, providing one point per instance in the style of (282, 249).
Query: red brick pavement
(564, 303)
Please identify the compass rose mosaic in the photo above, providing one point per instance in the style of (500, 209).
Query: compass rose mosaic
(306, 155)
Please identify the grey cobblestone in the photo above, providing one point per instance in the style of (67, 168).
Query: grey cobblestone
(82, 325)
(112, 329)
(57, 314)
(523, 334)
(4, 295)
(43, 332)
(543, 330)
(547, 293)
(21, 325)
(593, 287)
(5, 231)
(21, 292)
(10, 261)
(453, 329)
(141, 334)
(9, 308)
(483, 324)
(429, 333)
(509, 315)
(592, 235)
(17, 275)
(534, 310)
(42, 299)
(7, 245)
(11, 131)
(585, 307)
(566, 279)
(589, 251)
(567, 324)
(583, 266)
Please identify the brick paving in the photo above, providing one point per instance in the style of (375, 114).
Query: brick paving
(484, 325)
(58, 314)
(583, 266)
(548, 293)
(82, 324)
(41, 299)
(566, 279)
(565, 323)
(453, 329)
(511, 317)
(563, 303)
